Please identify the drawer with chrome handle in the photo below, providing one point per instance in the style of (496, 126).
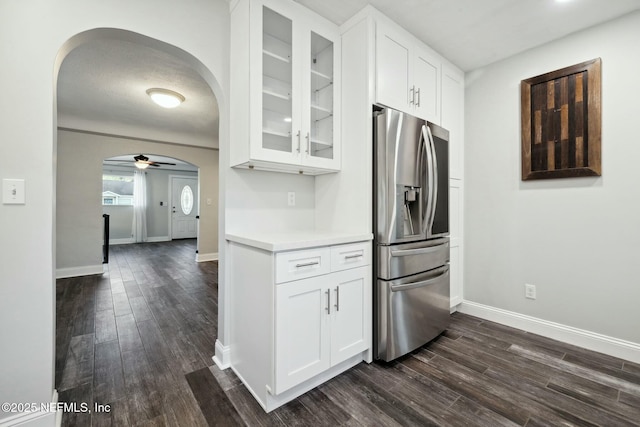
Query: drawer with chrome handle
(294, 265)
(352, 255)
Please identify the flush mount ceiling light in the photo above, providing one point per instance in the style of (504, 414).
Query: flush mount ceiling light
(165, 98)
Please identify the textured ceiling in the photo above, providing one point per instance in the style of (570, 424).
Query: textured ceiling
(102, 88)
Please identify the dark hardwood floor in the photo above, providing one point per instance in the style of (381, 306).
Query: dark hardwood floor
(140, 338)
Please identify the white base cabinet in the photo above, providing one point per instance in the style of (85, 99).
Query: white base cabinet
(300, 317)
(319, 323)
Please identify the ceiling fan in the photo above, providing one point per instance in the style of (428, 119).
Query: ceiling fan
(142, 162)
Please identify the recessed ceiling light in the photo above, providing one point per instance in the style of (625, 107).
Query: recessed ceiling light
(287, 119)
(165, 98)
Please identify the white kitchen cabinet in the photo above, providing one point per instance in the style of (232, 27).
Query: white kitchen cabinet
(302, 313)
(320, 322)
(407, 74)
(456, 241)
(291, 109)
(453, 117)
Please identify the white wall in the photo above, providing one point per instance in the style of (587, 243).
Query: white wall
(258, 201)
(575, 239)
(31, 37)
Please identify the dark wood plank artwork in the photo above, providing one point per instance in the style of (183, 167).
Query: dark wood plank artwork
(561, 123)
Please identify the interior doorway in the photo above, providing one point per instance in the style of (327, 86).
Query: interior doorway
(184, 207)
(155, 307)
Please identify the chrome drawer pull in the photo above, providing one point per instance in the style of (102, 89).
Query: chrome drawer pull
(337, 298)
(307, 264)
(353, 256)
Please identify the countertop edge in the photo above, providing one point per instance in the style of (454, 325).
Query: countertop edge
(294, 243)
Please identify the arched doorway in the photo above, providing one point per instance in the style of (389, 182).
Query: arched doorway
(80, 149)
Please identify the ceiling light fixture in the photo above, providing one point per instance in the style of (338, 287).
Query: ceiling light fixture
(142, 161)
(165, 98)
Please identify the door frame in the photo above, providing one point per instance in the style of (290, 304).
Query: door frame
(170, 206)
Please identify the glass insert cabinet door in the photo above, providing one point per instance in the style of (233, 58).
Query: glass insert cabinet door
(277, 82)
(320, 137)
(297, 90)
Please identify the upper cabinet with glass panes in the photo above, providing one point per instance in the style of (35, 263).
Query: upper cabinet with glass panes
(287, 118)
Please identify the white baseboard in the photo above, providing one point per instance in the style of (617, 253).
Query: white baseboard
(124, 241)
(207, 257)
(622, 349)
(88, 270)
(222, 357)
(39, 418)
(158, 239)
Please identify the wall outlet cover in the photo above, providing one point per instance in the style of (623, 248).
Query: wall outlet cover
(529, 291)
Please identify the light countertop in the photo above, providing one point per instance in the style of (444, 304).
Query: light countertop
(287, 241)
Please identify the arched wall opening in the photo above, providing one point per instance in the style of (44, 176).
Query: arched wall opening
(69, 144)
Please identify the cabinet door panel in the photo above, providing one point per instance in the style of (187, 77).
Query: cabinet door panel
(274, 78)
(392, 71)
(302, 341)
(426, 78)
(453, 117)
(349, 328)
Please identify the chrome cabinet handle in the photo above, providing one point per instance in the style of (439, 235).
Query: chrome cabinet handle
(328, 301)
(418, 93)
(412, 94)
(308, 143)
(298, 136)
(353, 256)
(307, 264)
(337, 298)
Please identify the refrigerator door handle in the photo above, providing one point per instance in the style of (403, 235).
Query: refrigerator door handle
(433, 190)
(428, 176)
(443, 271)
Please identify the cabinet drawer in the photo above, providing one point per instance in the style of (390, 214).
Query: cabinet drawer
(296, 265)
(353, 255)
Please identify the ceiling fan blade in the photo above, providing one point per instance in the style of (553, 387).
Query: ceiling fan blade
(154, 164)
(119, 161)
(163, 163)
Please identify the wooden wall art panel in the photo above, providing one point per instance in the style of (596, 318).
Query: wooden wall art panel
(561, 123)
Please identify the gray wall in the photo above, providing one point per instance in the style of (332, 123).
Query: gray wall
(575, 239)
(79, 206)
(158, 217)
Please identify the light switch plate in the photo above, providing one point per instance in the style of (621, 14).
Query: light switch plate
(13, 191)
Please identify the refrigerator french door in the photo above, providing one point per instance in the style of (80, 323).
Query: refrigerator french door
(411, 221)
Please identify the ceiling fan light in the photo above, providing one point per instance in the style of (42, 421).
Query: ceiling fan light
(165, 98)
(141, 165)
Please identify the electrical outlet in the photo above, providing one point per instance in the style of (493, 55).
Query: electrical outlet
(529, 291)
(291, 198)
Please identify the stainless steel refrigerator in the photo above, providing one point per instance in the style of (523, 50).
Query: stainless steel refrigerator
(411, 228)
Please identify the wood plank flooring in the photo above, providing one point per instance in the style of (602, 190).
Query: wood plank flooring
(140, 338)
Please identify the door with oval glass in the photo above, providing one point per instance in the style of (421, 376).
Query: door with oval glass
(184, 207)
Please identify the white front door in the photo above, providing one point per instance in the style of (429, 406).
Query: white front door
(184, 207)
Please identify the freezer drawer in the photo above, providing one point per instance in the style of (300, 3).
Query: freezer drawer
(411, 258)
(411, 312)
